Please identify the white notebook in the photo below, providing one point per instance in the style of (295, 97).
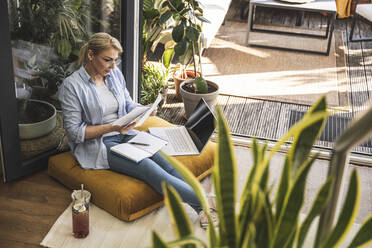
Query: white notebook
(136, 151)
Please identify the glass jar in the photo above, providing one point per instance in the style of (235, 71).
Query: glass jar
(80, 213)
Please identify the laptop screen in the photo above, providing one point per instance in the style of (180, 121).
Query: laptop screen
(200, 124)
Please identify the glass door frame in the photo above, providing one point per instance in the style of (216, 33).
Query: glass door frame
(12, 166)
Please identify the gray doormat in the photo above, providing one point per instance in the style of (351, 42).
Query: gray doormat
(333, 128)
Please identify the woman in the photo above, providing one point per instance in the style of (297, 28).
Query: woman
(92, 98)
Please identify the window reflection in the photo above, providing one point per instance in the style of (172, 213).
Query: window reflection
(46, 39)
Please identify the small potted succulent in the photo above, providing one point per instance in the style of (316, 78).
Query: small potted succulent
(186, 35)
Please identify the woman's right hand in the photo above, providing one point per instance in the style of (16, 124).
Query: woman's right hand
(124, 129)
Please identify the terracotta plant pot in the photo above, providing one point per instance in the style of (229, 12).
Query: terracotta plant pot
(178, 80)
(190, 100)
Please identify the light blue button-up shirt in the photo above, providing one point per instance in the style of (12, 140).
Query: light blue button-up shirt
(82, 107)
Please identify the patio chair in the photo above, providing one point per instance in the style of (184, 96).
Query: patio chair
(363, 12)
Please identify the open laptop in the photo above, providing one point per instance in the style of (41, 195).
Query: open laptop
(191, 138)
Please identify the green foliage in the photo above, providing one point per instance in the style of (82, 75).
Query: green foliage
(201, 86)
(154, 81)
(263, 220)
(154, 26)
(187, 17)
(60, 23)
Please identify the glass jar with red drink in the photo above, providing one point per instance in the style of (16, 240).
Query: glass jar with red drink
(80, 213)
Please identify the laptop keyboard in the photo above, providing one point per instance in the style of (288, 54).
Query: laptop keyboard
(175, 137)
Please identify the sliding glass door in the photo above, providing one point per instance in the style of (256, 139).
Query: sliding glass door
(40, 47)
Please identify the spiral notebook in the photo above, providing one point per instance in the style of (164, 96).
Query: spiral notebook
(143, 145)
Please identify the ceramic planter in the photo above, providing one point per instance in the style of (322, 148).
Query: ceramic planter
(178, 80)
(190, 100)
(42, 125)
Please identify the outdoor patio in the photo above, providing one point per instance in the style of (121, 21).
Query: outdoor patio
(268, 117)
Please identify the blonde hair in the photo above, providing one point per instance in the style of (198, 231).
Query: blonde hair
(97, 43)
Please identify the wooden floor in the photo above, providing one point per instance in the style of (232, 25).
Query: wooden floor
(29, 207)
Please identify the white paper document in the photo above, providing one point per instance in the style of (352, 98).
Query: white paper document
(132, 116)
(139, 113)
(143, 145)
(149, 111)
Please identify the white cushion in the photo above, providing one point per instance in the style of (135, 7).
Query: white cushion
(214, 11)
(365, 10)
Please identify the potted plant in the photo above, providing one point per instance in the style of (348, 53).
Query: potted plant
(264, 220)
(46, 79)
(187, 16)
(154, 81)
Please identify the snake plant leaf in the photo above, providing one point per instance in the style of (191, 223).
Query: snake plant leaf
(347, 215)
(364, 235)
(248, 183)
(226, 168)
(157, 242)
(167, 57)
(265, 225)
(164, 17)
(321, 199)
(284, 184)
(214, 240)
(187, 240)
(288, 220)
(304, 141)
(257, 158)
(181, 47)
(178, 32)
(178, 214)
(195, 185)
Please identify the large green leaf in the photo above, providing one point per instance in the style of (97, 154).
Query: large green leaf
(226, 168)
(215, 241)
(150, 14)
(195, 185)
(178, 214)
(304, 141)
(181, 47)
(294, 130)
(157, 242)
(264, 224)
(167, 57)
(187, 240)
(192, 33)
(164, 17)
(348, 213)
(288, 220)
(318, 206)
(284, 184)
(364, 235)
(178, 32)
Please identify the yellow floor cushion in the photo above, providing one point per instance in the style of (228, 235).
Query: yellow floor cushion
(124, 197)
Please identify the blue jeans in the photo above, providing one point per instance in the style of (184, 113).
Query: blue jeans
(151, 170)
